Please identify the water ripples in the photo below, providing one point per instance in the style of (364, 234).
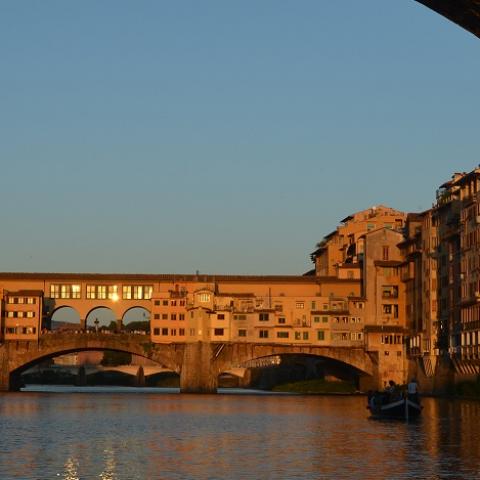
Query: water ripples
(121, 436)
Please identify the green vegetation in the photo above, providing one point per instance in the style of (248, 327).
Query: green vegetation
(138, 326)
(316, 386)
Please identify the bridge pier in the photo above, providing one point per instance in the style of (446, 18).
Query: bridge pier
(4, 371)
(197, 374)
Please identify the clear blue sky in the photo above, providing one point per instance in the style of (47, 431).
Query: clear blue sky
(225, 137)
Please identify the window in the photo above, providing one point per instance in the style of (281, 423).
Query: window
(182, 303)
(30, 314)
(181, 316)
(113, 292)
(173, 316)
(157, 302)
(218, 332)
(156, 331)
(387, 308)
(385, 252)
(164, 316)
(263, 334)
(173, 332)
(55, 291)
(173, 303)
(181, 332)
(192, 332)
(137, 292)
(64, 291)
(299, 305)
(240, 317)
(305, 335)
(156, 316)
(283, 334)
(147, 292)
(164, 331)
(91, 292)
(102, 292)
(316, 319)
(204, 297)
(389, 291)
(242, 332)
(164, 303)
(325, 319)
(281, 320)
(221, 316)
(263, 317)
(313, 307)
(297, 335)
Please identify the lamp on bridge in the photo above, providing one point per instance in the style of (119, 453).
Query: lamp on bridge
(96, 322)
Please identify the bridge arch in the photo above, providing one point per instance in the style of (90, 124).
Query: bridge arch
(135, 313)
(64, 317)
(16, 360)
(235, 359)
(266, 372)
(100, 317)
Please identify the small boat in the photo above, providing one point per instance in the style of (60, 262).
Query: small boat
(382, 406)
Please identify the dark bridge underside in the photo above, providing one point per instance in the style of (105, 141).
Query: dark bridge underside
(465, 13)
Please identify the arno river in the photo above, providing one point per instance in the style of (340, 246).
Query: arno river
(143, 434)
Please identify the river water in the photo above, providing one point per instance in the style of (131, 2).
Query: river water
(108, 433)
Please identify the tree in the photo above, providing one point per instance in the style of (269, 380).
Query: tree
(143, 326)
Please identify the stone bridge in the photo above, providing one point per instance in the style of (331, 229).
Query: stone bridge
(199, 364)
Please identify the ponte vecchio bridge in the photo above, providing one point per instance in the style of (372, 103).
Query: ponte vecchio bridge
(200, 325)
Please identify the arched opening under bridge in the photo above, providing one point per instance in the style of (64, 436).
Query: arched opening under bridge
(294, 372)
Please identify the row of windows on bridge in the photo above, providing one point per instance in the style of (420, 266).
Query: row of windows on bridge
(263, 317)
(220, 332)
(101, 292)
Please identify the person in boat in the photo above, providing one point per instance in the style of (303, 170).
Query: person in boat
(412, 390)
(393, 392)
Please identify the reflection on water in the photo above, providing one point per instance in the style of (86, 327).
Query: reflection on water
(155, 436)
